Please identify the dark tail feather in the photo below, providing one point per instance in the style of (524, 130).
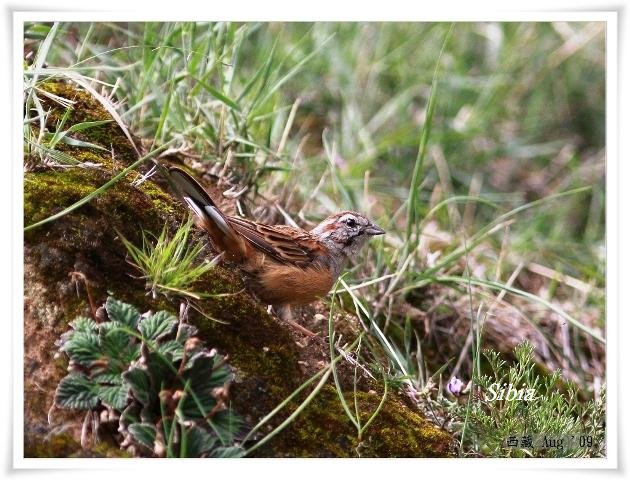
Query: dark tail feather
(188, 186)
(208, 216)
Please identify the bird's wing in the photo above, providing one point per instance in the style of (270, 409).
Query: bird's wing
(236, 235)
(285, 244)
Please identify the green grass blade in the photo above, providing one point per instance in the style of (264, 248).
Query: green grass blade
(530, 296)
(331, 346)
(43, 50)
(478, 237)
(217, 94)
(286, 77)
(414, 187)
(102, 188)
(293, 415)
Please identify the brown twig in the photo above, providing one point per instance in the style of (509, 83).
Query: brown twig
(75, 276)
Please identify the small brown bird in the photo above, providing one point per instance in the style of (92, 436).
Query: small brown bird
(287, 265)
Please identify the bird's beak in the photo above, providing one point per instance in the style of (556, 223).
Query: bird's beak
(373, 229)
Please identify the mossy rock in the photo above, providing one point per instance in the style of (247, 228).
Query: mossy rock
(270, 359)
(86, 108)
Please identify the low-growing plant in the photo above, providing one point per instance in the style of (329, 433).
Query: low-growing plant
(170, 265)
(150, 373)
(518, 411)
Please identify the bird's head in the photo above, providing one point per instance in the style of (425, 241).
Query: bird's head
(346, 232)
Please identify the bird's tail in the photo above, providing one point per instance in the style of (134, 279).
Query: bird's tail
(207, 215)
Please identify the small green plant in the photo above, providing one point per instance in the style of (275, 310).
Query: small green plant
(354, 417)
(169, 264)
(514, 408)
(150, 373)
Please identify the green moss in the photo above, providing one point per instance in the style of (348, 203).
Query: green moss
(323, 429)
(259, 346)
(64, 445)
(86, 108)
(105, 449)
(46, 193)
(57, 446)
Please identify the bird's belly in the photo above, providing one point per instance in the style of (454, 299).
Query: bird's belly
(284, 284)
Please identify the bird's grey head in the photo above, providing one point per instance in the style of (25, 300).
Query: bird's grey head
(346, 232)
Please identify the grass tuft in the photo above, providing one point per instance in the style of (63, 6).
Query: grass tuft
(169, 264)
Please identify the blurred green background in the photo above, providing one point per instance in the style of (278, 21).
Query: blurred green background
(519, 106)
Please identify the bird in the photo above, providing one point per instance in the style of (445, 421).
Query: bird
(285, 266)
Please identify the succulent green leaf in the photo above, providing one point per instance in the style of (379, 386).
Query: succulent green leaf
(108, 379)
(198, 442)
(202, 377)
(202, 369)
(157, 326)
(138, 357)
(115, 396)
(227, 424)
(131, 354)
(84, 324)
(143, 433)
(197, 404)
(228, 452)
(82, 347)
(140, 384)
(161, 370)
(76, 391)
(131, 414)
(118, 344)
(122, 312)
(114, 342)
(172, 348)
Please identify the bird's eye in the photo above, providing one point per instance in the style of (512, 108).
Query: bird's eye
(351, 222)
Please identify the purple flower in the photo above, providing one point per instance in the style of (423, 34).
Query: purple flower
(339, 161)
(455, 386)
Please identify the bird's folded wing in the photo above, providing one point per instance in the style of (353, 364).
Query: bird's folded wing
(285, 244)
